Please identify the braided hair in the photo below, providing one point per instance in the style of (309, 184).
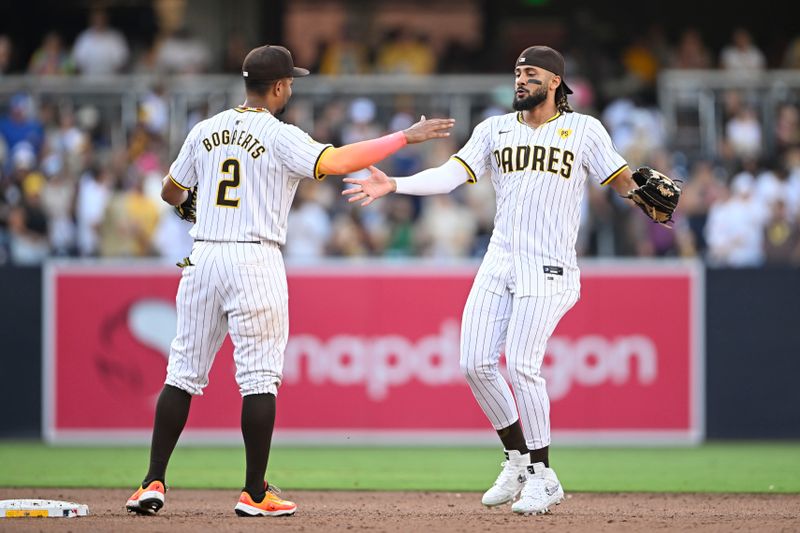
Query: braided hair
(561, 100)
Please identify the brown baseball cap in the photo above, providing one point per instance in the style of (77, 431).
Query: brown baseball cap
(270, 62)
(546, 58)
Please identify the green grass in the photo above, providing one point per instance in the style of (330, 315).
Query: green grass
(740, 467)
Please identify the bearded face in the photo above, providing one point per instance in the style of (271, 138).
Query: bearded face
(526, 99)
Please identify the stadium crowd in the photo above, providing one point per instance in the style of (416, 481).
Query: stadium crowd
(65, 190)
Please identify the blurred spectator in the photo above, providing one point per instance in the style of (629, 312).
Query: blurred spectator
(58, 199)
(770, 186)
(144, 152)
(22, 161)
(129, 223)
(459, 57)
(404, 53)
(27, 238)
(657, 240)
(21, 124)
(400, 231)
(692, 52)
(349, 237)
(62, 143)
(791, 57)
(343, 55)
(182, 53)
(583, 91)
(787, 127)
(171, 239)
(659, 44)
(309, 225)
(640, 60)
(5, 54)
(89, 120)
(144, 61)
(701, 191)
(154, 111)
(735, 227)
(742, 55)
(328, 127)
(99, 49)
(51, 59)
(636, 131)
(781, 237)
(479, 199)
(10, 197)
(446, 229)
(236, 48)
(27, 224)
(362, 124)
(791, 163)
(94, 191)
(743, 133)
(67, 142)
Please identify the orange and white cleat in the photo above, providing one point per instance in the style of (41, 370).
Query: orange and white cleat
(271, 505)
(147, 500)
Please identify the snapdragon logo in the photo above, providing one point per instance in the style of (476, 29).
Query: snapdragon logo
(382, 362)
(593, 360)
(378, 363)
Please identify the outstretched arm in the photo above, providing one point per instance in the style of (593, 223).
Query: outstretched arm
(352, 157)
(623, 184)
(439, 180)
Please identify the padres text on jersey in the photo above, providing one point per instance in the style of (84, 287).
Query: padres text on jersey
(539, 176)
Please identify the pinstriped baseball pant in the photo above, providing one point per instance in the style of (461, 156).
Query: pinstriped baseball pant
(494, 319)
(236, 288)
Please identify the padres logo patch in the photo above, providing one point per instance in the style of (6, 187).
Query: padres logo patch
(564, 133)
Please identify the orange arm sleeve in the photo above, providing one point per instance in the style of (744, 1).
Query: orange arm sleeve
(351, 157)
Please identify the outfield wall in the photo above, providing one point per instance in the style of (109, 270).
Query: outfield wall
(20, 352)
(753, 353)
(616, 375)
(373, 356)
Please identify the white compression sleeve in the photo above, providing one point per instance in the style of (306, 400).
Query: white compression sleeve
(439, 180)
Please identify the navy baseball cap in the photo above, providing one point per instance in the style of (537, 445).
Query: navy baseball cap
(270, 62)
(546, 58)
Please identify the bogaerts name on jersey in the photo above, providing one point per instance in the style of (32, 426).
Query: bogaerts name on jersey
(536, 158)
(239, 138)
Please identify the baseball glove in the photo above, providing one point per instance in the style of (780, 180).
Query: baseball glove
(188, 209)
(657, 195)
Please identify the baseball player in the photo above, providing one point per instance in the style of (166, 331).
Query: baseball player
(538, 158)
(237, 172)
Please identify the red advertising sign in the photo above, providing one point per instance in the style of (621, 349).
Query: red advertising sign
(373, 356)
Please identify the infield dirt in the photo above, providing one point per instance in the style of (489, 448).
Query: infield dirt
(212, 510)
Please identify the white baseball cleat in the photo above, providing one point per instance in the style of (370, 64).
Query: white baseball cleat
(541, 490)
(510, 481)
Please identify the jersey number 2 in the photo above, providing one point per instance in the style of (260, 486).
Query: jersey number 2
(229, 166)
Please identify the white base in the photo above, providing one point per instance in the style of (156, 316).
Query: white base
(41, 508)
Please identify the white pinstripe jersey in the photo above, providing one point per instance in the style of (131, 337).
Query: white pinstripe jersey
(539, 177)
(247, 165)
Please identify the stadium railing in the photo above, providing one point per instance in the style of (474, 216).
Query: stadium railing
(692, 101)
(693, 104)
(118, 98)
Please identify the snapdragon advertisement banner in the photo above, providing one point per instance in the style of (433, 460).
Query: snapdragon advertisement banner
(373, 356)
